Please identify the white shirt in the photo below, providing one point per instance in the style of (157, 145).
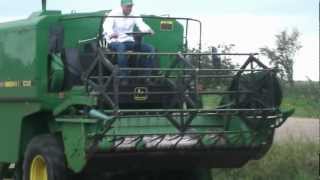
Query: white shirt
(121, 26)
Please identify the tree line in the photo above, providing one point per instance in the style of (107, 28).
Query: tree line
(281, 57)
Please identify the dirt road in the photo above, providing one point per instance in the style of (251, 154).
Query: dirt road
(299, 129)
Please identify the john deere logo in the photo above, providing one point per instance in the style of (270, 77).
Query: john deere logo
(140, 93)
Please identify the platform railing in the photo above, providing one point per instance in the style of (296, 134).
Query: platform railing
(183, 85)
(190, 75)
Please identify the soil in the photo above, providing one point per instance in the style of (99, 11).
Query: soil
(299, 129)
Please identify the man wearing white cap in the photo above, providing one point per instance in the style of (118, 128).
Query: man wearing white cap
(116, 30)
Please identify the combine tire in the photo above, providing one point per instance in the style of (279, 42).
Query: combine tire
(3, 168)
(44, 159)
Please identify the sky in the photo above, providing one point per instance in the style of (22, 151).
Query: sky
(249, 24)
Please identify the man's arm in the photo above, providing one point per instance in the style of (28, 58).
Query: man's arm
(142, 26)
(108, 27)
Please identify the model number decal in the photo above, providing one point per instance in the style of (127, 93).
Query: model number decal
(15, 84)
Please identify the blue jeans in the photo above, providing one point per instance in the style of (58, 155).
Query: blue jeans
(122, 47)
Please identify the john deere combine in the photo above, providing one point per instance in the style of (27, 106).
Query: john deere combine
(64, 114)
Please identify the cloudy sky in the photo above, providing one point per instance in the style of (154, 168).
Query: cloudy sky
(250, 24)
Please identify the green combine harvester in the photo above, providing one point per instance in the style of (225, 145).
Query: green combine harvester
(64, 114)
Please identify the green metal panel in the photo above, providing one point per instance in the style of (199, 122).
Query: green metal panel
(23, 56)
(24, 49)
(74, 138)
(12, 114)
(165, 40)
(57, 73)
(77, 28)
(73, 99)
(23, 72)
(17, 60)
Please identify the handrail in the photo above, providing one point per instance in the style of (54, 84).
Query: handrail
(178, 53)
(143, 16)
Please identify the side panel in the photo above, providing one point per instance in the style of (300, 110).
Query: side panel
(23, 72)
(17, 61)
(10, 123)
(168, 38)
(17, 83)
(23, 58)
(77, 28)
(74, 138)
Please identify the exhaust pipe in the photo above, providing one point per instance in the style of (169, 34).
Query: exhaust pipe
(44, 5)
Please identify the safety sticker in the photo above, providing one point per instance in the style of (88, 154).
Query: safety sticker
(166, 25)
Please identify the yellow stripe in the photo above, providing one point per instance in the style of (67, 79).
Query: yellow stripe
(11, 84)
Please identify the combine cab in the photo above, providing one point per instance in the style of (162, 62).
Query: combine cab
(66, 114)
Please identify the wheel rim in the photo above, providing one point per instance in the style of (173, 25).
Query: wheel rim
(38, 169)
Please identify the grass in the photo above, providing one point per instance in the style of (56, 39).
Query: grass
(304, 97)
(290, 160)
(210, 101)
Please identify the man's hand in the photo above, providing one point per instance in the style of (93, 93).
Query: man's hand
(114, 36)
(151, 32)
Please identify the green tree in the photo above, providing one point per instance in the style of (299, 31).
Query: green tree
(208, 62)
(226, 61)
(282, 57)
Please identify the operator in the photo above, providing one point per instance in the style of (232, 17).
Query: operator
(118, 40)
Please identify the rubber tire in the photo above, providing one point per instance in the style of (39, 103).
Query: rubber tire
(3, 168)
(17, 171)
(52, 151)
